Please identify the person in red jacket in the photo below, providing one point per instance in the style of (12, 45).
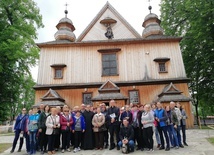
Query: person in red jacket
(66, 121)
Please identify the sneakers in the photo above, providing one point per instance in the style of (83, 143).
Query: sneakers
(63, 151)
(151, 150)
(177, 147)
(75, 150)
(68, 150)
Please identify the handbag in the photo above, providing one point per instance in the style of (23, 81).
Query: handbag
(102, 128)
(55, 130)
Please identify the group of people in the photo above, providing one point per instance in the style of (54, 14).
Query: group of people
(49, 129)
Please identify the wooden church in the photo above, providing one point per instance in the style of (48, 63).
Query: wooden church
(110, 60)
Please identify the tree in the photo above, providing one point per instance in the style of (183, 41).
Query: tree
(18, 52)
(193, 20)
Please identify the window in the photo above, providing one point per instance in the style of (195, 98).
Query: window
(162, 64)
(87, 98)
(162, 67)
(58, 73)
(134, 96)
(58, 70)
(109, 64)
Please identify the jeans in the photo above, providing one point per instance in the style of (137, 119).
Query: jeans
(157, 136)
(32, 136)
(162, 130)
(17, 134)
(172, 135)
(179, 134)
(130, 143)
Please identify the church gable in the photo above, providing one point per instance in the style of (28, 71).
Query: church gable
(120, 27)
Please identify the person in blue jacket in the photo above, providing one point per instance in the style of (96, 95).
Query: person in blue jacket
(78, 127)
(33, 129)
(161, 118)
(19, 129)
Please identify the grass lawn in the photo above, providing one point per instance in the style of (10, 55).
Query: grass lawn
(4, 146)
(211, 140)
(205, 127)
(7, 134)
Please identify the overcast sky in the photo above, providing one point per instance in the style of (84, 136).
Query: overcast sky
(81, 12)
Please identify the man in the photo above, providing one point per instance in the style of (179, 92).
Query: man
(161, 117)
(113, 123)
(179, 117)
(88, 143)
(126, 136)
(19, 129)
(82, 108)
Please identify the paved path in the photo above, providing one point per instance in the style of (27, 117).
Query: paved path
(198, 145)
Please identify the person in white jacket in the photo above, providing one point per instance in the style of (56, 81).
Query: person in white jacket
(53, 126)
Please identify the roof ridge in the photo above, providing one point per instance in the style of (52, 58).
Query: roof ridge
(100, 13)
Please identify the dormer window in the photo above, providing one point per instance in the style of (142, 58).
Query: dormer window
(162, 64)
(58, 70)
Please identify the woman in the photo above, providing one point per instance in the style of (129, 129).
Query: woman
(147, 120)
(66, 121)
(172, 123)
(183, 122)
(78, 128)
(32, 129)
(53, 124)
(98, 122)
(135, 123)
(42, 128)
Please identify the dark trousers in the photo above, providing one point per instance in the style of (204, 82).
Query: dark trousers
(113, 129)
(183, 129)
(72, 139)
(162, 130)
(137, 136)
(106, 137)
(77, 138)
(148, 137)
(17, 134)
(66, 139)
(51, 142)
(43, 140)
(141, 143)
(57, 140)
(99, 139)
(27, 140)
(33, 140)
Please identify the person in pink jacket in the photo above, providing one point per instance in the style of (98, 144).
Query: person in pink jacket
(66, 121)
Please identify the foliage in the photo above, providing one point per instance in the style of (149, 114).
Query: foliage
(18, 52)
(193, 20)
